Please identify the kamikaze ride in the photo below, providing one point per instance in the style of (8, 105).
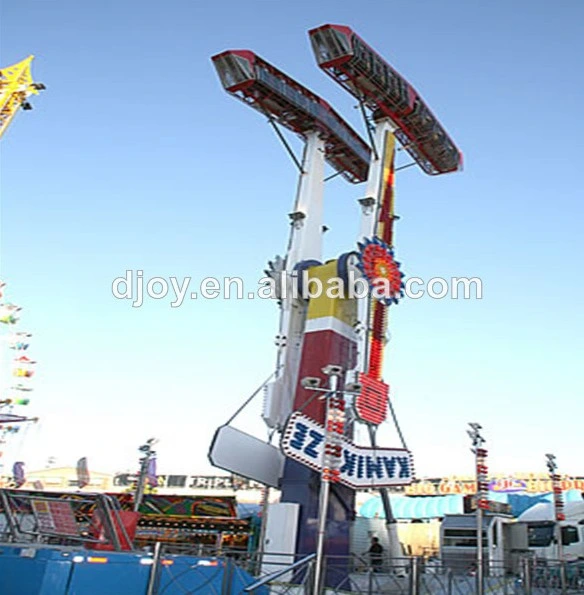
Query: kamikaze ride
(330, 349)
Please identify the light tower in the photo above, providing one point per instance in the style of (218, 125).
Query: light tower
(558, 513)
(482, 504)
(147, 472)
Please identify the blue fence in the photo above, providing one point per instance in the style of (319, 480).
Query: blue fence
(42, 570)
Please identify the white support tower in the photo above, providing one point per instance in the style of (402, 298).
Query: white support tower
(305, 244)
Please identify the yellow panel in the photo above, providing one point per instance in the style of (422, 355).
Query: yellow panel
(344, 309)
(386, 192)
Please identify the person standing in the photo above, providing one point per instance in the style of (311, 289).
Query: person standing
(376, 554)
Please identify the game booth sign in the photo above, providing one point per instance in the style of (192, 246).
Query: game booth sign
(518, 483)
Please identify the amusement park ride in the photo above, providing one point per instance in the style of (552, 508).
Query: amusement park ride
(329, 373)
(16, 86)
(328, 376)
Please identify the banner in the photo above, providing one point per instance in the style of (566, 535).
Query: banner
(361, 467)
(83, 477)
(151, 478)
(18, 474)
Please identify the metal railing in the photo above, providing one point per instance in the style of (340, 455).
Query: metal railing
(403, 576)
(92, 520)
(308, 562)
(177, 567)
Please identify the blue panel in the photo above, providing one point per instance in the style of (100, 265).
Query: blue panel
(189, 575)
(58, 571)
(122, 573)
(301, 485)
(47, 571)
(32, 570)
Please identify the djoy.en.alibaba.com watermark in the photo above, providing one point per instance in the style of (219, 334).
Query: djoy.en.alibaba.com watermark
(133, 286)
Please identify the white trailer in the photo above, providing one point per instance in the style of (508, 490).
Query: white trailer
(503, 542)
(542, 531)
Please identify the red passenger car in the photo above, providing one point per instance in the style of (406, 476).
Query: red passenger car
(275, 94)
(353, 64)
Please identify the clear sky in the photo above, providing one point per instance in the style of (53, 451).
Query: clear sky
(135, 158)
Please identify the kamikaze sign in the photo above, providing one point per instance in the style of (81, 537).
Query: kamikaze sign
(361, 467)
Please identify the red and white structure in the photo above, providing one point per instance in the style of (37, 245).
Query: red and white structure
(348, 60)
(482, 478)
(556, 487)
(276, 95)
(328, 138)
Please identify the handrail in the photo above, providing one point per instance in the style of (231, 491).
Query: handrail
(279, 573)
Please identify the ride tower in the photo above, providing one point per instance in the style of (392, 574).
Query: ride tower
(330, 346)
(312, 333)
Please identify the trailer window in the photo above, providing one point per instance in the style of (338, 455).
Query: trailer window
(570, 535)
(540, 535)
(462, 538)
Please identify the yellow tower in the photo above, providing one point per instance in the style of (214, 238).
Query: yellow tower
(16, 86)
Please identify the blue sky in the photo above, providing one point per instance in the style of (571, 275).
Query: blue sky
(135, 158)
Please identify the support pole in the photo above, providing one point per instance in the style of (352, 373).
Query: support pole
(153, 576)
(9, 514)
(264, 523)
(527, 584)
(284, 142)
(563, 581)
(482, 498)
(143, 473)
(390, 521)
(480, 567)
(324, 488)
(139, 493)
(558, 515)
(108, 522)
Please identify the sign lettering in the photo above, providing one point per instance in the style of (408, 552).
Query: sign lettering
(303, 440)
